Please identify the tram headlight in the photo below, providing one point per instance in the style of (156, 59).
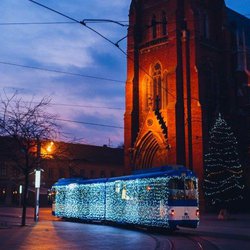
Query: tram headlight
(197, 212)
(172, 212)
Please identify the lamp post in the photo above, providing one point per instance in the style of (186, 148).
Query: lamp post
(20, 194)
(37, 181)
(45, 153)
(37, 193)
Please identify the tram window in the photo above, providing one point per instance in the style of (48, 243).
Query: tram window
(176, 184)
(190, 184)
(118, 187)
(51, 195)
(176, 189)
(190, 189)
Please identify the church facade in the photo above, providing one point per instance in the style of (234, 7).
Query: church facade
(188, 60)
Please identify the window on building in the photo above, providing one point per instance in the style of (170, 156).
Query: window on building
(157, 92)
(157, 87)
(206, 28)
(164, 24)
(15, 171)
(153, 25)
(71, 172)
(62, 173)
(112, 173)
(3, 169)
(92, 173)
(164, 90)
(15, 195)
(3, 193)
(51, 173)
(82, 172)
(102, 174)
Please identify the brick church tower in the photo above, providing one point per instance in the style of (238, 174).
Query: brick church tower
(177, 80)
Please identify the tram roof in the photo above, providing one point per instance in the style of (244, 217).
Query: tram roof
(139, 174)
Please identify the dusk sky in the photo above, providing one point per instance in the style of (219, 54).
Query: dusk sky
(28, 40)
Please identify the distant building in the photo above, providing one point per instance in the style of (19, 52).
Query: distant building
(74, 160)
(187, 61)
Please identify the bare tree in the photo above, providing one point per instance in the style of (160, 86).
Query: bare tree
(24, 126)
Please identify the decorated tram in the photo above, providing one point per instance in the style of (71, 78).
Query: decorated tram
(164, 197)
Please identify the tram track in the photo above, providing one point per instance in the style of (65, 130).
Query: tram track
(162, 244)
(199, 242)
(180, 241)
(203, 244)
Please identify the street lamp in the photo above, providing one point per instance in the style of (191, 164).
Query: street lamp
(37, 181)
(49, 147)
(37, 187)
(45, 153)
(20, 194)
(47, 150)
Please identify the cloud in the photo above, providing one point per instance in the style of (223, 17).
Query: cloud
(73, 48)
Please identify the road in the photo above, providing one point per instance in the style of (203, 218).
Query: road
(52, 233)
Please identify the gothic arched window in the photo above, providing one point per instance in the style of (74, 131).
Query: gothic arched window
(164, 24)
(157, 87)
(153, 24)
(206, 27)
(165, 91)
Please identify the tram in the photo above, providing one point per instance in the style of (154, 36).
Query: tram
(165, 197)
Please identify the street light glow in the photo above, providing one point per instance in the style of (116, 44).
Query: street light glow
(49, 147)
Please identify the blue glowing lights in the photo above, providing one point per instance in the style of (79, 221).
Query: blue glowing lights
(140, 199)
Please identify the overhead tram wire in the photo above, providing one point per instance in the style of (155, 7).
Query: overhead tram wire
(79, 105)
(60, 72)
(90, 123)
(59, 22)
(85, 25)
(85, 21)
(99, 34)
(95, 31)
(75, 20)
(105, 21)
(94, 124)
(80, 122)
(85, 106)
(75, 105)
(34, 23)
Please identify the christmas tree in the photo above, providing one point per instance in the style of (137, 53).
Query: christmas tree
(223, 180)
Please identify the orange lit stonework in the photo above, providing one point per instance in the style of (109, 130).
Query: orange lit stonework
(187, 61)
(164, 118)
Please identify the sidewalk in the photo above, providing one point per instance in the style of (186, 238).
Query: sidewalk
(11, 216)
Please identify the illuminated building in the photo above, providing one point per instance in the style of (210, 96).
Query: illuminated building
(58, 160)
(187, 61)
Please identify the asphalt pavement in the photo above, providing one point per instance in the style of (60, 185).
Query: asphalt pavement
(52, 233)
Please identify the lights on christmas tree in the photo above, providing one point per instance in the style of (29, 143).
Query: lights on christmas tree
(223, 171)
